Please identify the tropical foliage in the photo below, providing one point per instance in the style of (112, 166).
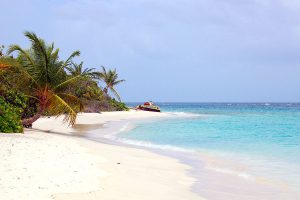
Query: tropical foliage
(118, 106)
(110, 78)
(46, 77)
(10, 120)
(77, 69)
(53, 86)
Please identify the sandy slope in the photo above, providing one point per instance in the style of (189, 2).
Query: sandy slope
(40, 165)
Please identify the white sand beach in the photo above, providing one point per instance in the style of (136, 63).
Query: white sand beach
(48, 162)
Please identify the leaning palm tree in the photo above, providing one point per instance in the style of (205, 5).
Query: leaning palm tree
(40, 65)
(110, 78)
(77, 69)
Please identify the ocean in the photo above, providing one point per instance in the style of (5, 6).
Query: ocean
(250, 140)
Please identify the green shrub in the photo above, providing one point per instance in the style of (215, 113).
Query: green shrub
(10, 120)
(27, 105)
(118, 106)
(16, 99)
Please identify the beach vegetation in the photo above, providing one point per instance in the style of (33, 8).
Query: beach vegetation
(78, 69)
(10, 118)
(35, 81)
(46, 78)
(118, 106)
(110, 79)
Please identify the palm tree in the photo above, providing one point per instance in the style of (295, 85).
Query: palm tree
(110, 78)
(46, 76)
(77, 69)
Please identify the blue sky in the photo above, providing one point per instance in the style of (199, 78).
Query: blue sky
(174, 50)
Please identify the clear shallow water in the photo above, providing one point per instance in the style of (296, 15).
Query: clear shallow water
(263, 138)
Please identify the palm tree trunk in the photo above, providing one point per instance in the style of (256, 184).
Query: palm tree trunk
(29, 121)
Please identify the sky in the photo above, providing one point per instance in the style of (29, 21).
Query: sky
(173, 50)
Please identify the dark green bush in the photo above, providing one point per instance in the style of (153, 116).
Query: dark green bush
(118, 106)
(10, 118)
(27, 105)
(16, 99)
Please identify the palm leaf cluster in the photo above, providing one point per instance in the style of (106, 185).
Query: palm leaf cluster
(46, 76)
(57, 85)
(78, 69)
(110, 78)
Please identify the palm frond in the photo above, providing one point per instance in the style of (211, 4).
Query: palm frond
(119, 81)
(77, 69)
(69, 81)
(14, 48)
(49, 51)
(115, 93)
(73, 55)
(72, 99)
(68, 61)
(59, 106)
(110, 78)
(103, 69)
(38, 45)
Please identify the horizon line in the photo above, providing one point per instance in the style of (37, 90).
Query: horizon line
(235, 102)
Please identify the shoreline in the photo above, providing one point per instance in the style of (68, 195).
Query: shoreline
(54, 162)
(213, 183)
(191, 178)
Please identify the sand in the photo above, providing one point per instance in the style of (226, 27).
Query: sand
(50, 161)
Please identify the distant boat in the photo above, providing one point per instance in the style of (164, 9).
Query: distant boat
(148, 106)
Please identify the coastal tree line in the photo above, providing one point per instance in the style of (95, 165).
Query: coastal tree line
(37, 82)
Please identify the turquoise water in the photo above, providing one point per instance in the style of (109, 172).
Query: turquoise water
(263, 136)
